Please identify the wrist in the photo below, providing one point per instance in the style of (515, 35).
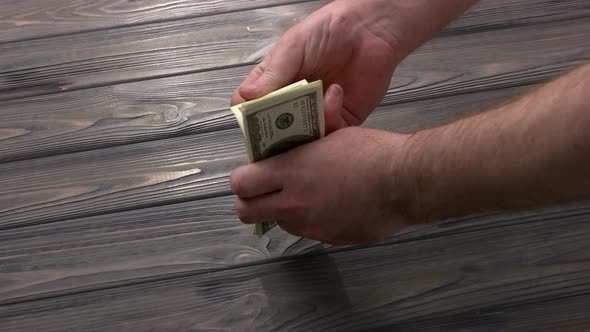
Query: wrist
(404, 24)
(373, 17)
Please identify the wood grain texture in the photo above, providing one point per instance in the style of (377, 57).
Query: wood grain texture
(110, 249)
(473, 274)
(117, 179)
(114, 250)
(90, 252)
(196, 103)
(27, 19)
(61, 255)
(170, 170)
(140, 52)
(564, 314)
(491, 60)
(134, 53)
(116, 115)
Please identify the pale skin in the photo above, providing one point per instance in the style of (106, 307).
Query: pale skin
(360, 185)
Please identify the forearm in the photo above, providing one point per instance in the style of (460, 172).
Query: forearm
(416, 21)
(406, 24)
(531, 152)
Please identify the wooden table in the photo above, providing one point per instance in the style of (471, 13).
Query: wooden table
(116, 142)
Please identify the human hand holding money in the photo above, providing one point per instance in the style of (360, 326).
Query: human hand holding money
(322, 188)
(351, 186)
(280, 121)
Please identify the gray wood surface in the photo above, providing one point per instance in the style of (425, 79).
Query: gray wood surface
(103, 57)
(62, 254)
(170, 170)
(116, 143)
(28, 19)
(117, 179)
(196, 103)
(116, 55)
(475, 274)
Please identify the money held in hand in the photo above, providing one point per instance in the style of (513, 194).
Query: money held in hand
(280, 121)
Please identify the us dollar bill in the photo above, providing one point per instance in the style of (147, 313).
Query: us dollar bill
(281, 121)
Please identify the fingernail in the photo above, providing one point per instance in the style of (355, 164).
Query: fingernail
(334, 90)
(251, 87)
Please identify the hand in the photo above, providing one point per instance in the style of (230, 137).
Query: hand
(345, 45)
(352, 186)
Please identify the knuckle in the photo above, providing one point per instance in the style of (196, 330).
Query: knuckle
(241, 210)
(293, 208)
(236, 182)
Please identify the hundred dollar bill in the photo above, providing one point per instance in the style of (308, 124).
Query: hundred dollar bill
(280, 121)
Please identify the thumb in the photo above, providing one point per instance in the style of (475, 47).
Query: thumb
(333, 108)
(280, 68)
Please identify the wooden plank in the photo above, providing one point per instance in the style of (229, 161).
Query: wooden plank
(116, 115)
(135, 176)
(110, 249)
(564, 314)
(197, 103)
(27, 19)
(458, 275)
(164, 171)
(117, 179)
(98, 58)
(502, 14)
(193, 237)
(170, 48)
(61, 254)
(491, 60)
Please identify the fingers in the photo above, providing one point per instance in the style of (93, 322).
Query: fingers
(294, 228)
(279, 69)
(272, 207)
(333, 107)
(254, 180)
(252, 77)
(258, 209)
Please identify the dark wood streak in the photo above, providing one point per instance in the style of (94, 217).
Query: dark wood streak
(472, 274)
(145, 51)
(28, 19)
(197, 103)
